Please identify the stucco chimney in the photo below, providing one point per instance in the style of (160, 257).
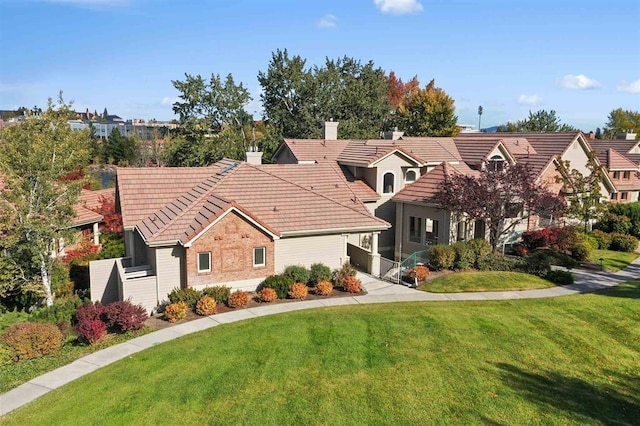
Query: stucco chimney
(330, 130)
(254, 156)
(394, 135)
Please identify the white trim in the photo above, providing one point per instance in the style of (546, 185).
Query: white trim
(200, 270)
(415, 173)
(415, 160)
(394, 182)
(264, 257)
(232, 209)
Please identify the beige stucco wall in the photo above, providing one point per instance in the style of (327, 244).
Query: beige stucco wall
(141, 291)
(327, 249)
(103, 281)
(404, 247)
(169, 264)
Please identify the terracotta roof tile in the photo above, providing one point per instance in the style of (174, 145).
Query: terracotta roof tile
(424, 189)
(318, 150)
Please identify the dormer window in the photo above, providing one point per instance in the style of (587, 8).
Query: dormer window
(496, 163)
(388, 183)
(410, 176)
(626, 175)
(616, 175)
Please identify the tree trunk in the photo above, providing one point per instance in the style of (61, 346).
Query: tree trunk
(46, 282)
(493, 238)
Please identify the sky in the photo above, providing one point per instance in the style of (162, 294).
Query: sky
(580, 58)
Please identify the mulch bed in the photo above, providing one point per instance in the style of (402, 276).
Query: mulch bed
(157, 321)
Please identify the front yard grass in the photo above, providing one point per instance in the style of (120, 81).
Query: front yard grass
(613, 260)
(566, 360)
(484, 281)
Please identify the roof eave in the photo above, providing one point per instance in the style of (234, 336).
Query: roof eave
(353, 230)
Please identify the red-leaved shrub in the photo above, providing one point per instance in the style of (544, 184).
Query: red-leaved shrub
(29, 340)
(90, 330)
(91, 311)
(124, 316)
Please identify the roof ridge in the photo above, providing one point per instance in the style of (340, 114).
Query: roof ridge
(312, 191)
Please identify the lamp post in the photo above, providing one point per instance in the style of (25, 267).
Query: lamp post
(479, 117)
(601, 264)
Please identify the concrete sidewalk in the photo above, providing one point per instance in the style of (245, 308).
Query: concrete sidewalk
(377, 292)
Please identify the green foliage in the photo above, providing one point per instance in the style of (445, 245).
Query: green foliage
(441, 257)
(611, 222)
(213, 121)
(38, 209)
(280, 283)
(623, 242)
(465, 255)
(603, 239)
(620, 121)
(297, 99)
(62, 311)
(427, 112)
(220, 293)
(539, 121)
(560, 277)
(298, 273)
(589, 240)
(188, 295)
(497, 262)
(112, 245)
(118, 149)
(480, 248)
(319, 272)
(345, 271)
(28, 340)
(581, 251)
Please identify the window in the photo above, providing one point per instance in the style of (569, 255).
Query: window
(259, 256)
(496, 163)
(204, 261)
(415, 229)
(614, 195)
(623, 195)
(616, 175)
(410, 177)
(462, 231)
(388, 183)
(430, 231)
(626, 175)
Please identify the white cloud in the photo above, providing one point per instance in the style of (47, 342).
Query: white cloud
(578, 82)
(328, 21)
(529, 100)
(168, 101)
(630, 87)
(399, 7)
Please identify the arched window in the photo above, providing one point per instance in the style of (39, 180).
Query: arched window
(496, 163)
(388, 182)
(410, 177)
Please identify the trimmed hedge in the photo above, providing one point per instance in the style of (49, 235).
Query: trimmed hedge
(559, 277)
(280, 283)
(28, 340)
(188, 295)
(623, 242)
(220, 293)
(319, 272)
(441, 257)
(298, 273)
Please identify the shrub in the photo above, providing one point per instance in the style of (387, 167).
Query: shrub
(319, 272)
(298, 273)
(566, 236)
(465, 257)
(580, 251)
(622, 242)
(345, 271)
(538, 263)
(28, 340)
(90, 330)
(61, 284)
(603, 239)
(555, 238)
(496, 262)
(238, 299)
(324, 288)
(480, 248)
(124, 316)
(62, 311)
(280, 283)
(351, 284)
(206, 305)
(267, 295)
(220, 293)
(588, 240)
(559, 277)
(187, 295)
(298, 291)
(174, 312)
(612, 222)
(91, 311)
(420, 272)
(441, 257)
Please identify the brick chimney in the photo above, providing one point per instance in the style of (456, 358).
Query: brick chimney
(330, 130)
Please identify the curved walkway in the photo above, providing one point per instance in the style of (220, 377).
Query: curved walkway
(378, 292)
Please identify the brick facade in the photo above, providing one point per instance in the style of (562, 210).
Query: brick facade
(231, 242)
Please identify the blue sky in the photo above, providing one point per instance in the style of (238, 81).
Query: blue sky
(580, 58)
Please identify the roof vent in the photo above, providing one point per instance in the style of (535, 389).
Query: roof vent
(275, 209)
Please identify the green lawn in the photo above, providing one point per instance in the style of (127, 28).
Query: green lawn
(567, 360)
(613, 260)
(484, 281)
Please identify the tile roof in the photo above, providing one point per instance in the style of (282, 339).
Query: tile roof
(91, 199)
(318, 150)
(143, 191)
(84, 216)
(282, 198)
(432, 149)
(424, 189)
(614, 154)
(616, 161)
(367, 152)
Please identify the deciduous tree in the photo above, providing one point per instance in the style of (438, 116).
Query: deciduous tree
(620, 121)
(502, 199)
(428, 112)
(539, 121)
(36, 205)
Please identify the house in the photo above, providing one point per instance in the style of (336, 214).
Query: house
(233, 223)
(621, 158)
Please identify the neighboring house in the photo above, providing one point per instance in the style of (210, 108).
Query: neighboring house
(234, 224)
(622, 161)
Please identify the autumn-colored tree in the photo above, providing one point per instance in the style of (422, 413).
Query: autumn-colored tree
(112, 221)
(398, 90)
(503, 199)
(428, 112)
